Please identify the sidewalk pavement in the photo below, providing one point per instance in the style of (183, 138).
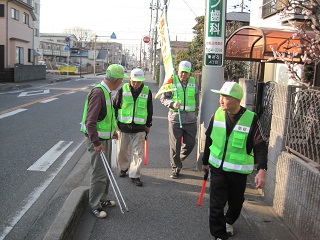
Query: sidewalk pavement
(162, 208)
(50, 78)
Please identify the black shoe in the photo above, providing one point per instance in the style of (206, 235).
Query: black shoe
(137, 181)
(123, 173)
(107, 204)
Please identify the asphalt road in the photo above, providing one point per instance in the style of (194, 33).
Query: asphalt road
(40, 145)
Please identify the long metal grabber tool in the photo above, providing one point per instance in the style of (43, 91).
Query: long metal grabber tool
(113, 183)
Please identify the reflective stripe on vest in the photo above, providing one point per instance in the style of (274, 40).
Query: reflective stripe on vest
(131, 110)
(106, 126)
(235, 154)
(187, 97)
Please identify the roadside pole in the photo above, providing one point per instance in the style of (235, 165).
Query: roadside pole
(212, 68)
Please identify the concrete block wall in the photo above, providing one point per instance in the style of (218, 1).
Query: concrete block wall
(23, 73)
(292, 184)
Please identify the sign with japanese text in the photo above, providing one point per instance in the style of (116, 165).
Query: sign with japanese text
(165, 46)
(215, 33)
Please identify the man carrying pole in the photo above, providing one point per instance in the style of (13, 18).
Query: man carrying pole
(181, 95)
(183, 104)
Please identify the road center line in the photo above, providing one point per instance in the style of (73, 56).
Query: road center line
(40, 100)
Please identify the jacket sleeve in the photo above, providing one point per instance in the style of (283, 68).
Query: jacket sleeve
(150, 110)
(206, 153)
(96, 103)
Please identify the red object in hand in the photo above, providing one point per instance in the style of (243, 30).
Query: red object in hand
(145, 161)
(205, 177)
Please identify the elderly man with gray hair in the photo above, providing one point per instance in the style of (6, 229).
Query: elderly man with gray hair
(99, 126)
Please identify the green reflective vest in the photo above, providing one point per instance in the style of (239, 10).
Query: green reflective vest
(186, 97)
(232, 150)
(107, 126)
(133, 111)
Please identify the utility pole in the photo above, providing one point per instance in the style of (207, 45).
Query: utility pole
(212, 69)
(155, 44)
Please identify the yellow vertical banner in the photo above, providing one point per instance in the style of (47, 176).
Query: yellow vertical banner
(166, 54)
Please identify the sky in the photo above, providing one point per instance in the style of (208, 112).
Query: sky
(130, 20)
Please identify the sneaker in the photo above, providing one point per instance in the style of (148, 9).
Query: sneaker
(174, 175)
(99, 213)
(123, 173)
(108, 203)
(229, 229)
(137, 181)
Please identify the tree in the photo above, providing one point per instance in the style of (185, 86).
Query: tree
(194, 54)
(309, 44)
(233, 69)
(82, 35)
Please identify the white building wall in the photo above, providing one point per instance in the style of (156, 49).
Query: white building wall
(273, 72)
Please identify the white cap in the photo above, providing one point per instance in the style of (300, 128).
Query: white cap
(137, 75)
(185, 66)
(231, 89)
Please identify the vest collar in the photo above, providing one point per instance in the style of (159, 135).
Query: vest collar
(106, 86)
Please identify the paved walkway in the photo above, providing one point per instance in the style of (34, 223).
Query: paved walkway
(167, 209)
(163, 208)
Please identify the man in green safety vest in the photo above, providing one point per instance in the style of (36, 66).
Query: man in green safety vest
(99, 126)
(134, 109)
(183, 105)
(234, 143)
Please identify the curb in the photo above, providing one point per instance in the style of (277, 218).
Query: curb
(13, 87)
(59, 79)
(68, 218)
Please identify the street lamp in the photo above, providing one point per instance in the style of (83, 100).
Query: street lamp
(113, 36)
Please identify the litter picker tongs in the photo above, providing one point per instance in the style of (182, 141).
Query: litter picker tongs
(113, 183)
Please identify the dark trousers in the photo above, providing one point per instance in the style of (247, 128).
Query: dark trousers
(180, 151)
(225, 187)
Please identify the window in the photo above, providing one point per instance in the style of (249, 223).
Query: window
(30, 2)
(14, 14)
(26, 18)
(36, 8)
(36, 32)
(1, 10)
(19, 55)
(30, 54)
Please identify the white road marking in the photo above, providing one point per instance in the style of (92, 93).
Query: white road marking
(49, 100)
(34, 195)
(32, 93)
(44, 162)
(12, 113)
(70, 92)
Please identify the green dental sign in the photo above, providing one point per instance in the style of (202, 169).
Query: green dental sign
(215, 33)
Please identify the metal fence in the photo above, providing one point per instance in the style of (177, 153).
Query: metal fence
(266, 108)
(303, 135)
